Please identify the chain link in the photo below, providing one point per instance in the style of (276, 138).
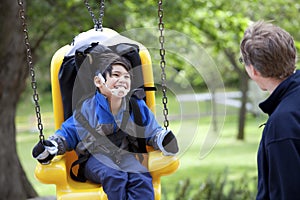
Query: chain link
(31, 70)
(162, 53)
(98, 23)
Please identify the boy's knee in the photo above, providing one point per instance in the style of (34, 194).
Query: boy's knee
(113, 176)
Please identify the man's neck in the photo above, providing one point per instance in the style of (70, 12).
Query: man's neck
(270, 84)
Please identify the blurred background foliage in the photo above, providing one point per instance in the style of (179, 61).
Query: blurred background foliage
(217, 26)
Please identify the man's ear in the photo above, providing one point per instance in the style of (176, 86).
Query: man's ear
(255, 71)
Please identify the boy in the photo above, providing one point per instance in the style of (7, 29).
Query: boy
(103, 127)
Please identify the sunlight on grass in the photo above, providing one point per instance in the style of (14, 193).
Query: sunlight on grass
(25, 142)
(28, 136)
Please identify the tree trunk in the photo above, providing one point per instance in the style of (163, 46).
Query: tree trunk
(243, 109)
(244, 89)
(13, 73)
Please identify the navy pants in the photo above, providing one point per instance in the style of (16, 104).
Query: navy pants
(129, 180)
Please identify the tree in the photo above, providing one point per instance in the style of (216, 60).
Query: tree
(220, 25)
(13, 73)
(217, 26)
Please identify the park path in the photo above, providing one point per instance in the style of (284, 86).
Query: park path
(231, 98)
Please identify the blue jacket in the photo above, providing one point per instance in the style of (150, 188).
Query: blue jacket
(97, 111)
(279, 150)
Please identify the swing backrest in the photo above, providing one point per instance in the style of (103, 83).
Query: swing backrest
(58, 171)
(77, 72)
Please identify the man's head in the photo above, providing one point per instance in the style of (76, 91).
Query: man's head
(269, 49)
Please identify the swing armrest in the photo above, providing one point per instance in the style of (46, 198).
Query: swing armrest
(160, 165)
(57, 173)
(48, 173)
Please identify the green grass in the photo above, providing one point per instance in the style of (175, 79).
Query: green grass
(28, 136)
(239, 157)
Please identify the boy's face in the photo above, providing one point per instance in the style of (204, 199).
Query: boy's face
(119, 82)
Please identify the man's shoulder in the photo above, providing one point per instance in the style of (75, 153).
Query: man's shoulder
(283, 125)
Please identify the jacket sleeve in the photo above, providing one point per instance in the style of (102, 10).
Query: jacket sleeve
(66, 137)
(281, 165)
(156, 136)
(284, 164)
(151, 125)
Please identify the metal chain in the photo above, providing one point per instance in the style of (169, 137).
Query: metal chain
(31, 70)
(98, 23)
(162, 52)
(101, 15)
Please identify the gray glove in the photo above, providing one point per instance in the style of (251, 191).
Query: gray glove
(45, 151)
(167, 142)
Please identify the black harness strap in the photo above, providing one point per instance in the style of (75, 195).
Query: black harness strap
(149, 88)
(139, 137)
(83, 158)
(80, 174)
(140, 128)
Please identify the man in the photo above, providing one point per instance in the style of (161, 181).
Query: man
(269, 55)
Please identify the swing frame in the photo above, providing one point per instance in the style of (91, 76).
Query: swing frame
(57, 172)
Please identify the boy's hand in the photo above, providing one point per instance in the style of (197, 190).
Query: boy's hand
(45, 151)
(166, 142)
(170, 143)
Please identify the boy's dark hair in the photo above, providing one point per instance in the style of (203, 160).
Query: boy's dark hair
(110, 59)
(270, 49)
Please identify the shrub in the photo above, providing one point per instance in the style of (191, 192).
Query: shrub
(218, 188)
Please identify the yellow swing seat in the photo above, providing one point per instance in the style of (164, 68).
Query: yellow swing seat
(57, 172)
